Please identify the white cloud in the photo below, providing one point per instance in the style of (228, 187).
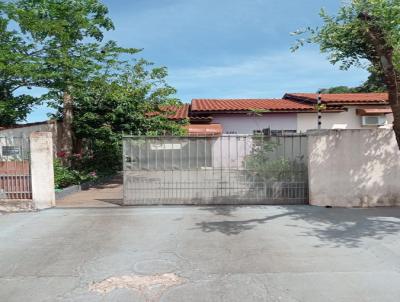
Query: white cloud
(264, 76)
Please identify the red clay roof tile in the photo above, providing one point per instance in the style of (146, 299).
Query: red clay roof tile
(248, 104)
(341, 98)
(178, 112)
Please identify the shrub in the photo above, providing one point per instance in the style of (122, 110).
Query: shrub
(66, 176)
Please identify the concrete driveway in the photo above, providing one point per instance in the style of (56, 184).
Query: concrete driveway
(295, 253)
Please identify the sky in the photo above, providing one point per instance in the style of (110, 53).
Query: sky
(227, 48)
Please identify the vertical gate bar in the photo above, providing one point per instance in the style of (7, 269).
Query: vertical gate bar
(172, 168)
(236, 174)
(204, 180)
(187, 181)
(180, 153)
(197, 165)
(221, 163)
(29, 180)
(156, 142)
(205, 152)
(180, 170)
(7, 190)
(131, 141)
(140, 153)
(148, 153)
(164, 178)
(189, 154)
(237, 153)
(21, 173)
(245, 152)
(197, 152)
(263, 180)
(229, 165)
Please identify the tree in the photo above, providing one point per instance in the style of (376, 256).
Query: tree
(68, 36)
(374, 83)
(364, 30)
(18, 69)
(129, 100)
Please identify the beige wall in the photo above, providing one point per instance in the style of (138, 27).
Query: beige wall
(42, 173)
(51, 126)
(307, 121)
(354, 168)
(246, 124)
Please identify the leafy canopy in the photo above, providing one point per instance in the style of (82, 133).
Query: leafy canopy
(344, 36)
(68, 35)
(128, 100)
(18, 69)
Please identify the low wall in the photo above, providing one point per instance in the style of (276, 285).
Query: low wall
(354, 168)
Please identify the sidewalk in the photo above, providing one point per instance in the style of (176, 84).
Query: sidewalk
(103, 196)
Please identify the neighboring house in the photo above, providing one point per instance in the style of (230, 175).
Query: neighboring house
(21, 131)
(353, 110)
(245, 116)
(295, 112)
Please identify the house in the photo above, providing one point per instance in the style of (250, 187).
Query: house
(245, 116)
(345, 111)
(295, 112)
(15, 134)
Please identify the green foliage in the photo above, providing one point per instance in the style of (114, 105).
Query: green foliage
(58, 45)
(66, 176)
(262, 164)
(257, 112)
(67, 35)
(344, 36)
(14, 109)
(124, 102)
(18, 68)
(338, 89)
(374, 83)
(364, 33)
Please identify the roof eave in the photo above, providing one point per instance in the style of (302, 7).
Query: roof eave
(249, 111)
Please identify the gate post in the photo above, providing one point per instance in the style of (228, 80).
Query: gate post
(42, 173)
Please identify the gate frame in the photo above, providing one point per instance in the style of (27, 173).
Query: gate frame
(230, 199)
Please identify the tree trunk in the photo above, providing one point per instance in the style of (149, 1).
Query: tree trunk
(392, 81)
(382, 56)
(67, 137)
(396, 122)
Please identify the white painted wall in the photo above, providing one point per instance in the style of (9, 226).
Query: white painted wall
(246, 124)
(346, 120)
(26, 131)
(42, 173)
(354, 168)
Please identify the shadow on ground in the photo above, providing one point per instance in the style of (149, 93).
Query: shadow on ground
(337, 226)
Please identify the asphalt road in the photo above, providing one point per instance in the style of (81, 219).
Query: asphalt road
(295, 253)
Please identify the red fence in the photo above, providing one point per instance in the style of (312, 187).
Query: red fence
(15, 178)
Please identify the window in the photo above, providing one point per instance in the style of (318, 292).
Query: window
(269, 132)
(373, 120)
(10, 150)
(283, 132)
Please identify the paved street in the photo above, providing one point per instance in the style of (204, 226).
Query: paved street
(295, 253)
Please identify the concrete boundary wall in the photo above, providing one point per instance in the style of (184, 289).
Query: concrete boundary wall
(354, 168)
(42, 173)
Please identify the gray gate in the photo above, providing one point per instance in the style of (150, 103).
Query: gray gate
(229, 169)
(15, 179)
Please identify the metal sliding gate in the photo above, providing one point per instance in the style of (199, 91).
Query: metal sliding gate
(229, 169)
(15, 178)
